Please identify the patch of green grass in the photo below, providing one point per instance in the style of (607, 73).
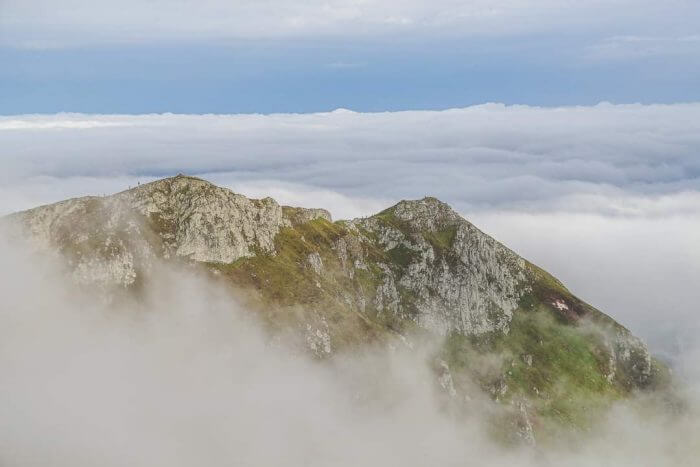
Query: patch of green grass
(544, 280)
(553, 362)
(442, 239)
(545, 287)
(289, 292)
(388, 217)
(559, 367)
(281, 278)
(556, 350)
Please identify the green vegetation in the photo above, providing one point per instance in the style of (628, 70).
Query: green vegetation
(550, 357)
(560, 369)
(289, 291)
(442, 239)
(285, 278)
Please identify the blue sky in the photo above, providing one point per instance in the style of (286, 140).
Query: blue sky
(239, 57)
(308, 76)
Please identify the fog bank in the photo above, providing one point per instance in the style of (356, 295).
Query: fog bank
(185, 376)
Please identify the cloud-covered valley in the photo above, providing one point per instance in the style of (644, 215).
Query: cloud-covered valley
(609, 159)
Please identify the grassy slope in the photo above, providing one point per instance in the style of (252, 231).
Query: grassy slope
(290, 292)
(554, 361)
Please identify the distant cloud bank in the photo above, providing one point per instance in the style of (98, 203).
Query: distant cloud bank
(616, 160)
(606, 197)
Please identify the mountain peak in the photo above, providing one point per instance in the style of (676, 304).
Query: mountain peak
(171, 185)
(176, 216)
(426, 214)
(414, 266)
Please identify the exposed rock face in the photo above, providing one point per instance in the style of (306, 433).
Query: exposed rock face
(202, 222)
(298, 216)
(508, 325)
(458, 278)
(634, 363)
(113, 239)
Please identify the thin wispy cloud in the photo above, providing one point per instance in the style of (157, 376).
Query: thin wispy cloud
(77, 22)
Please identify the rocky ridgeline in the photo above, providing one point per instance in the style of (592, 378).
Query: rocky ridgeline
(113, 239)
(417, 267)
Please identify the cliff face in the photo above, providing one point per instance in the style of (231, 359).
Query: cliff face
(457, 278)
(415, 269)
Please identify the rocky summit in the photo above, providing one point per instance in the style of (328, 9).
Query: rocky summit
(414, 271)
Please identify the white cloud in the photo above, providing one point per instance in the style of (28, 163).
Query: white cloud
(628, 160)
(641, 270)
(290, 194)
(8, 125)
(187, 377)
(45, 23)
(607, 197)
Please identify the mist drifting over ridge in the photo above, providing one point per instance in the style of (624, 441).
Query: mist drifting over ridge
(175, 386)
(186, 376)
(349, 232)
(615, 186)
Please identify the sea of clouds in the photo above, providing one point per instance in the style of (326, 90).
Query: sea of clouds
(606, 197)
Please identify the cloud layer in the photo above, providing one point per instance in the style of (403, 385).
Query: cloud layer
(187, 377)
(605, 197)
(77, 22)
(611, 159)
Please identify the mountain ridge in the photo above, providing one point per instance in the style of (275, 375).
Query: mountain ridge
(415, 268)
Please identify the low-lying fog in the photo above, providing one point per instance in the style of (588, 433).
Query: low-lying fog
(186, 377)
